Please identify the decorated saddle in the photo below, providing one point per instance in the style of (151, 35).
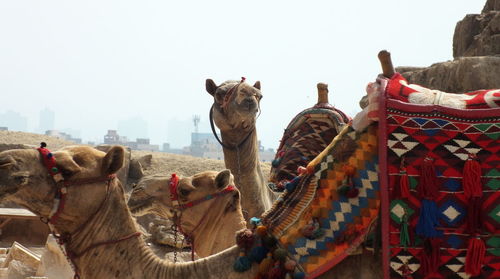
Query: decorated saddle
(309, 133)
(441, 180)
(431, 171)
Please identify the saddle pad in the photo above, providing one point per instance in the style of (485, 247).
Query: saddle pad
(344, 221)
(411, 133)
(309, 133)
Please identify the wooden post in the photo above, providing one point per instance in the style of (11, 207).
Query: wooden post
(322, 93)
(385, 60)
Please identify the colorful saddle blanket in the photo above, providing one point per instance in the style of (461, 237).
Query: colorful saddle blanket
(339, 223)
(309, 133)
(436, 227)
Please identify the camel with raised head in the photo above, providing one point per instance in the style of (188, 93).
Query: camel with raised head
(234, 111)
(210, 225)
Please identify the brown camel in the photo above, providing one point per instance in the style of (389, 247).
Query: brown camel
(98, 228)
(211, 224)
(234, 111)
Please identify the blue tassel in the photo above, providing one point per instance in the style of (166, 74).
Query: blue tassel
(255, 221)
(242, 264)
(290, 186)
(428, 220)
(257, 254)
(276, 163)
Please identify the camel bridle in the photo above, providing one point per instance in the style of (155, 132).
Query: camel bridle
(64, 239)
(180, 207)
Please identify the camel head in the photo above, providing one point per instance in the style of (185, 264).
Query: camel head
(152, 195)
(206, 209)
(236, 104)
(25, 180)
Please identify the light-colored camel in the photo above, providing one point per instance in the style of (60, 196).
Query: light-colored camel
(234, 111)
(212, 224)
(100, 224)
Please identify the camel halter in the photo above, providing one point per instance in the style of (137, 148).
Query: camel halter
(179, 208)
(62, 185)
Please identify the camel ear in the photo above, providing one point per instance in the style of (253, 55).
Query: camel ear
(113, 161)
(210, 86)
(257, 85)
(223, 179)
(65, 163)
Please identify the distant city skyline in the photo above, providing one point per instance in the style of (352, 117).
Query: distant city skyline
(97, 64)
(177, 135)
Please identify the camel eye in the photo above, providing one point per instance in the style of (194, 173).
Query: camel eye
(184, 192)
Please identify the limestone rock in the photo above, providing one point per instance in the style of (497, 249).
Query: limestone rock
(479, 35)
(461, 75)
(19, 270)
(22, 254)
(491, 5)
(54, 264)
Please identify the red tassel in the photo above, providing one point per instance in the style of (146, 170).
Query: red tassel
(404, 184)
(474, 215)
(430, 256)
(475, 256)
(428, 186)
(471, 181)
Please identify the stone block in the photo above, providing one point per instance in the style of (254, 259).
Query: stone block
(22, 254)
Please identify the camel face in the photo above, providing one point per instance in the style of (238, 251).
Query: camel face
(152, 195)
(236, 104)
(25, 180)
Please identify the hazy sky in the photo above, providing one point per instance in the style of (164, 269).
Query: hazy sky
(99, 63)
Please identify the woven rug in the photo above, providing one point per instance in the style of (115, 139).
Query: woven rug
(343, 221)
(449, 137)
(309, 133)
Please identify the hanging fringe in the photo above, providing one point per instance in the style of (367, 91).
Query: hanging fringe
(404, 184)
(428, 186)
(475, 256)
(430, 255)
(474, 215)
(428, 219)
(471, 181)
(404, 235)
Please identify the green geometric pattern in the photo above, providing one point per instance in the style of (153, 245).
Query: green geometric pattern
(493, 242)
(495, 214)
(413, 182)
(398, 209)
(493, 173)
(493, 184)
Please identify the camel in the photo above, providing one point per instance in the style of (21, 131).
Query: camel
(234, 111)
(212, 225)
(99, 232)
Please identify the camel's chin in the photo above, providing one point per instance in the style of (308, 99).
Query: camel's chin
(140, 210)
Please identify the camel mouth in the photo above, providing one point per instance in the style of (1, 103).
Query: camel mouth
(140, 208)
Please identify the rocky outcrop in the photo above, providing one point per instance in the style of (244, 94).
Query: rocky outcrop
(476, 52)
(460, 75)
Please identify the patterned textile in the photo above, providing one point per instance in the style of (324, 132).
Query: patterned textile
(305, 137)
(449, 136)
(345, 222)
(399, 89)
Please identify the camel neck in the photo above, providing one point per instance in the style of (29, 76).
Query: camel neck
(219, 228)
(244, 163)
(133, 259)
